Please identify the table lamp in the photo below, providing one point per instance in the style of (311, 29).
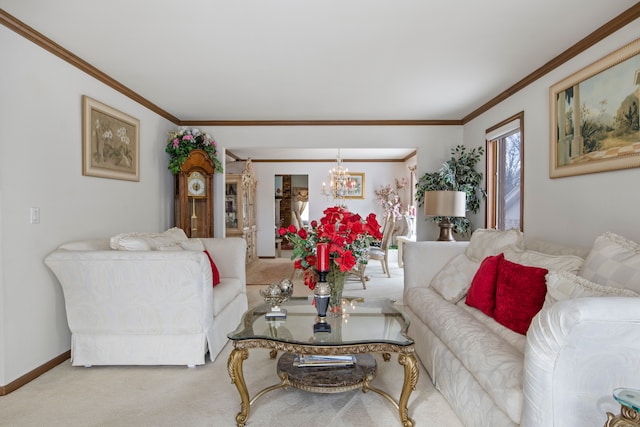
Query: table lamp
(446, 204)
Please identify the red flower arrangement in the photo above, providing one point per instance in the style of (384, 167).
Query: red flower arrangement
(348, 236)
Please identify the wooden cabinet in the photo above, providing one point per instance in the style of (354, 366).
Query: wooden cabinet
(193, 195)
(240, 209)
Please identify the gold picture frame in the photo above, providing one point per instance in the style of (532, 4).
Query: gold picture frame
(357, 191)
(606, 93)
(110, 142)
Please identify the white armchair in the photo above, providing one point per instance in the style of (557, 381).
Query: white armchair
(149, 307)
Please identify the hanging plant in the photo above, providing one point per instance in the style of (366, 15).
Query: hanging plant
(185, 140)
(456, 174)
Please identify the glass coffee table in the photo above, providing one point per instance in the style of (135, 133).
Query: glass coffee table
(367, 325)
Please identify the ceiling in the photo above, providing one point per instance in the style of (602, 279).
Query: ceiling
(292, 60)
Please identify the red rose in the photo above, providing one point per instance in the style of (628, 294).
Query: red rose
(282, 231)
(297, 264)
(311, 259)
(314, 223)
(292, 229)
(302, 233)
(346, 262)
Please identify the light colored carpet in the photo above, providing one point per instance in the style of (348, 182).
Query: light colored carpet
(269, 270)
(204, 396)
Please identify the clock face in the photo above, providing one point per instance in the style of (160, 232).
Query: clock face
(197, 185)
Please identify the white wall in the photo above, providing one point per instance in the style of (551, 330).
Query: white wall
(41, 165)
(433, 144)
(574, 209)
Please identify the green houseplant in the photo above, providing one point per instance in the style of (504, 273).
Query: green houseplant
(456, 174)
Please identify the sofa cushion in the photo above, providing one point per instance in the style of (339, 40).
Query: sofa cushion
(564, 285)
(613, 261)
(482, 293)
(454, 280)
(520, 293)
(531, 258)
(223, 294)
(486, 242)
(495, 364)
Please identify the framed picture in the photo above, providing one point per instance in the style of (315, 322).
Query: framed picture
(595, 116)
(110, 142)
(357, 190)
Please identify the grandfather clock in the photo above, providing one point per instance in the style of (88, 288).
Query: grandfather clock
(193, 195)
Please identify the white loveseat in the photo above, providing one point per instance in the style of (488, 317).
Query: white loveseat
(582, 344)
(150, 306)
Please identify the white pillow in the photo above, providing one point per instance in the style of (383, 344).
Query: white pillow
(570, 263)
(192, 245)
(167, 240)
(486, 242)
(613, 261)
(454, 280)
(129, 242)
(562, 285)
(87, 245)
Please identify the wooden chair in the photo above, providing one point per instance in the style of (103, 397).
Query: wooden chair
(382, 253)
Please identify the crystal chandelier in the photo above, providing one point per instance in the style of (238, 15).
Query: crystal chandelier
(339, 181)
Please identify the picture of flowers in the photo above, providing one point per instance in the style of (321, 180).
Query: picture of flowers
(595, 120)
(110, 146)
(356, 191)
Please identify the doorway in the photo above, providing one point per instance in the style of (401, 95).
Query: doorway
(291, 195)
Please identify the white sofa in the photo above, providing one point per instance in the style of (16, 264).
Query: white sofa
(149, 306)
(582, 344)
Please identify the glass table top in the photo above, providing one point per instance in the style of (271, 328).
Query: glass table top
(628, 397)
(364, 321)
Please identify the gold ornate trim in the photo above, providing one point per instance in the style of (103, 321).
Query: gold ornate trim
(323, 350)
(628, 418)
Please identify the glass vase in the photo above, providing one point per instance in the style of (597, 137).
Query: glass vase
(336, 280)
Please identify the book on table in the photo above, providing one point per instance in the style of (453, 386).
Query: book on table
(306, 360)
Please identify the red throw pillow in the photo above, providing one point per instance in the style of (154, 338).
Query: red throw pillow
(214, 270)
(482, 293)
(520, 293)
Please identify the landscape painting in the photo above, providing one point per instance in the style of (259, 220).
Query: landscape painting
(595, 120)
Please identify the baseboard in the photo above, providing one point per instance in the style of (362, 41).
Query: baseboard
(32, 375)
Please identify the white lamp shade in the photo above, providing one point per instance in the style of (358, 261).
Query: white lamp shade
(445, 203)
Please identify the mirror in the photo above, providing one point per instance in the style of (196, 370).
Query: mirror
(291, 195)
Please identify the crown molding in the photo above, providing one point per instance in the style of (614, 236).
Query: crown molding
(320, 123)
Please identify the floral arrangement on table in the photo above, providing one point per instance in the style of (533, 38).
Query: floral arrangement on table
(185, 140)
(389, 198)
(348, 236)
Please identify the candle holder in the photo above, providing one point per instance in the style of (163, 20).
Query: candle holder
(321, 297)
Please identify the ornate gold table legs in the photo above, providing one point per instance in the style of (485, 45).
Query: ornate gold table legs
(627, 418)
(410, 381)
(407, 360)
(234, 367)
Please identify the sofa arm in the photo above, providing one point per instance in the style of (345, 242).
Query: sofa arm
(577, 352)
(423, 260)
(229, 254)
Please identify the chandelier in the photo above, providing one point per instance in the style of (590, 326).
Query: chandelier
(340, 183)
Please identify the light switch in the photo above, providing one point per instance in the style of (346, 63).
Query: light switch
(34, 217)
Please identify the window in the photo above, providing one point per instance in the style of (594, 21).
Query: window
(505, 168)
